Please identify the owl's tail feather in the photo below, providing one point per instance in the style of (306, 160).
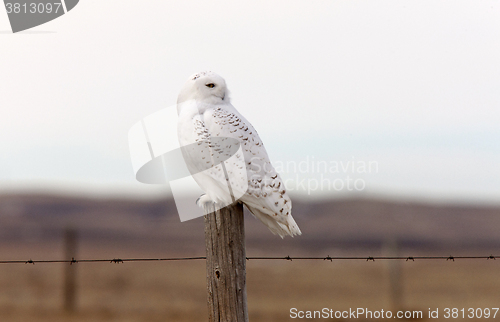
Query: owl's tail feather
(282, 229)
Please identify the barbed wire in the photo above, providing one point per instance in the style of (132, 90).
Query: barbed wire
(289, 258)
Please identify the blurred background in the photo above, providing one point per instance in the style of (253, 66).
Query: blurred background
(382, 119)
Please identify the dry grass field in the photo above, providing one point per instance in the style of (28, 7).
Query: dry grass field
(175, 291)
(33, 226)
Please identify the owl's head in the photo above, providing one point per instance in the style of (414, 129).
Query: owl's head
(207, 87)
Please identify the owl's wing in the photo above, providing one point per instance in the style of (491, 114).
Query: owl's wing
(265, 196)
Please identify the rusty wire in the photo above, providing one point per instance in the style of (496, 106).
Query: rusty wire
(288, 258)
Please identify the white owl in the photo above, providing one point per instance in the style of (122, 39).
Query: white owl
(207, 118)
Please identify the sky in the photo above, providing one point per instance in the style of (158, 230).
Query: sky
(396, 99)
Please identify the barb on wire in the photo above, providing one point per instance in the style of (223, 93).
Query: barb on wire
(288, 258)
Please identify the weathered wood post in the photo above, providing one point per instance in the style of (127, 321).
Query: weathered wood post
(70, 270)
(226, 265)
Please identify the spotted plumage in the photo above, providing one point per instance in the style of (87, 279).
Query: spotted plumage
(209, 121)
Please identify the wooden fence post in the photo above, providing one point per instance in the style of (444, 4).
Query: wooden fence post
(394, 270)
(70, 270)
(226, 265)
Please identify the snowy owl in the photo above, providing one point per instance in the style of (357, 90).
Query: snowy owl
(207, 118)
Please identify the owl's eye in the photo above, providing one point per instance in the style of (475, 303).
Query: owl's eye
(211, 85)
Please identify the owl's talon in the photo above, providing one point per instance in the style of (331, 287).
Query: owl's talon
(205, 203)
